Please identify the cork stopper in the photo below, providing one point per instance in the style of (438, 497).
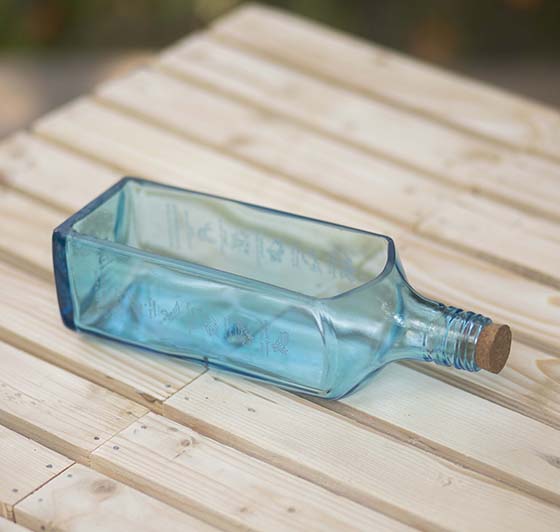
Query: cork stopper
(492, 347)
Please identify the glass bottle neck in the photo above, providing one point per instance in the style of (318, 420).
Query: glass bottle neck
(455, 343)
(434, 332)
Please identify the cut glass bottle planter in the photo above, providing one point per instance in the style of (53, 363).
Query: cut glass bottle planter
(307, 305)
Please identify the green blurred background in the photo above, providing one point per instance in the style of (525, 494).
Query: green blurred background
(53, 50)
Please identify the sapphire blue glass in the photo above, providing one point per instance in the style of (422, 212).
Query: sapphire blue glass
(307, 305)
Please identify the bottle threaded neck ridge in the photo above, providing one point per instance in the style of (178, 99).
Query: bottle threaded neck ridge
(458, 344)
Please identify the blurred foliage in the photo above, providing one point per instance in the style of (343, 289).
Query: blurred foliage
(438, 30)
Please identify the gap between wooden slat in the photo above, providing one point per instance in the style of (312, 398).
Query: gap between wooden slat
(86, 500)
(230, 29)
(247, 416)
(50, 417)
(25, 465)
(8, 525)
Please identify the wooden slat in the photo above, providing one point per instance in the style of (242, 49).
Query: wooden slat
(19, 238)
(10, 526)
(348, 458)
(130, 144)
(450, 156)
(529, 384)
(458, 219)
(391, 77)
(176, 161)
(273, 142)
(84, 500)
(58, 409)
(29, 319)
(225, 487)
(24, 467)
(456, 425)
(57, 177)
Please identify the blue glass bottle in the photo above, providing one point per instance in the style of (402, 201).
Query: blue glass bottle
(307, 305)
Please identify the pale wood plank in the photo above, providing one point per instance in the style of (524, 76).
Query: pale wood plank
(24, 467)
(275, 143)
(10, 526)
(458, 426)
(83, 500)
(141, 149)
(343, 173)
(350, 459)
(450, 156)
(222, 485)
(29, 318)
(58, 409)
(58, 177)
(392, 77)
(19, 238)
(529, 384)
(175, 160)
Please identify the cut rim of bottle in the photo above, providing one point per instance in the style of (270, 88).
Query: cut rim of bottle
(73, 226)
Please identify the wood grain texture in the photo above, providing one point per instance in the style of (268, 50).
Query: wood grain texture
(273, 142)
(443, 273)
(461, 160)
(58, 409)
(392, 77)
(459, 219)
(83, 500)
(223, 486)
(529, 384)
(24, 467)
(456, 425)
(350, 459)
(29, 319)
(10, 526)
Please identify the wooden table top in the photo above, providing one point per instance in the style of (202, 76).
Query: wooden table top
(278, 111)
